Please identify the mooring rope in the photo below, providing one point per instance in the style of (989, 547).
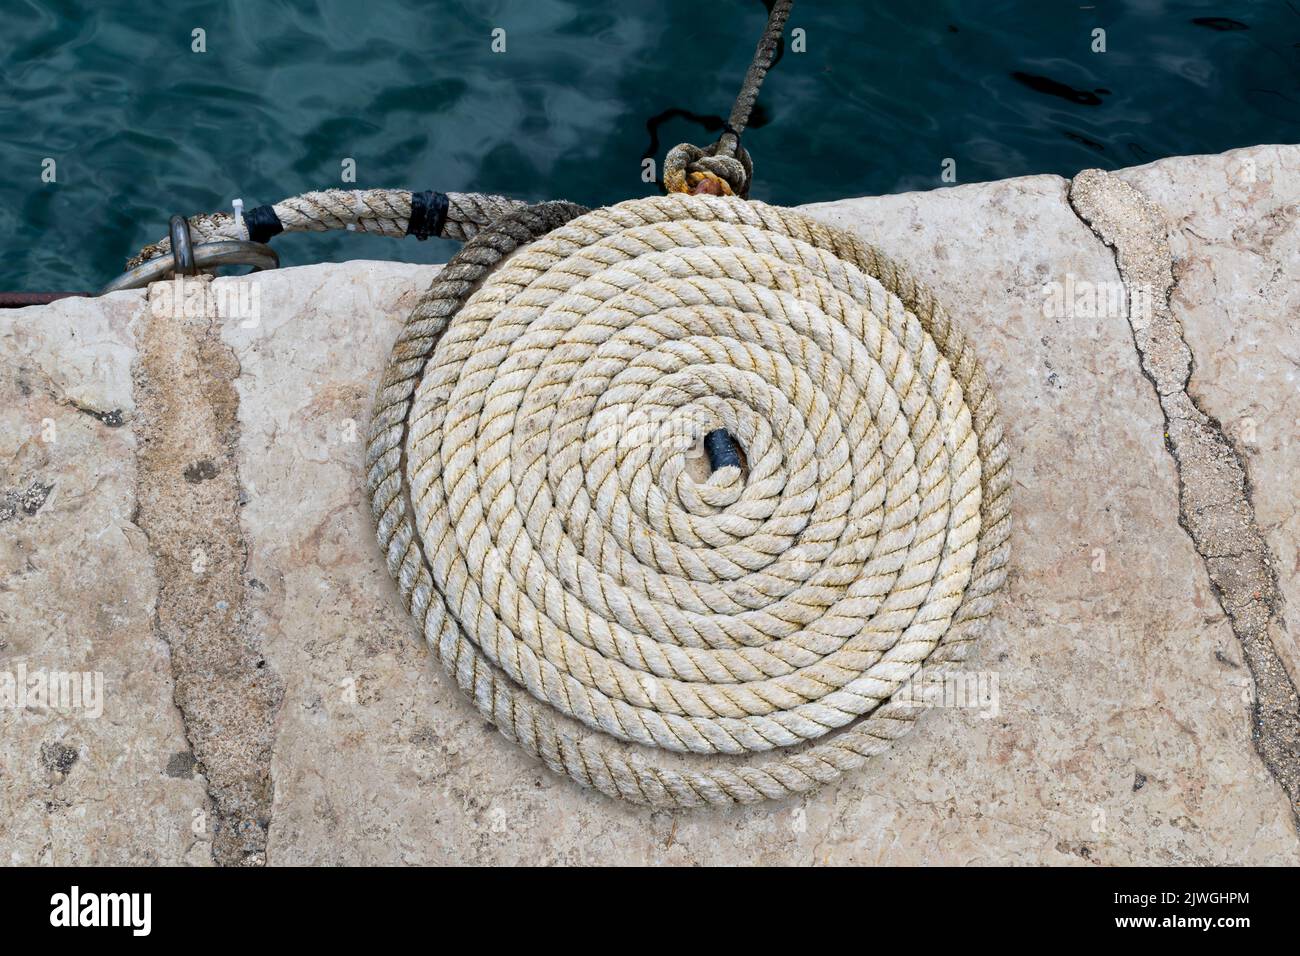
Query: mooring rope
(386, 212)
(609, 610)
(725, 168)
(527, 472)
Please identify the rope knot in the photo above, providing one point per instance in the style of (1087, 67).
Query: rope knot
(711, 171)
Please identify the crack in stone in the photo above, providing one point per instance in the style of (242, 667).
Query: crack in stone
(1214, 491)
(113, 418)
(187, 412)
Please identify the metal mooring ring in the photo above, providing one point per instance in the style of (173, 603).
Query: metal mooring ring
(182, 246)
(208, 255)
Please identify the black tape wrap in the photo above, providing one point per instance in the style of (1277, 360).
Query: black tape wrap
(721, 449)
(428, 214)
(262, 223)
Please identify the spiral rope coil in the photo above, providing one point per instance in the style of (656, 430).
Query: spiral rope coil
(527, 466)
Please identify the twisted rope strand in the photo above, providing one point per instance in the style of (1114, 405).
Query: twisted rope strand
(764, 56)
(725, 168)
(382, 211)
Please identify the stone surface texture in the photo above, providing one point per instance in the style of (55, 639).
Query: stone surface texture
(1124, 719)
(1235, 236)
(77, 595)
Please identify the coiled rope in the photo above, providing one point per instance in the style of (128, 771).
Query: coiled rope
(666, 638)
(600, 606)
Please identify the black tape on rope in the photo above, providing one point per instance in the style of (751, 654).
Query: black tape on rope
(428, 214)
(721, 449)
(262, 223)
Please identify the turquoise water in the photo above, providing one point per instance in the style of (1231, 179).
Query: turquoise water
(141, 127)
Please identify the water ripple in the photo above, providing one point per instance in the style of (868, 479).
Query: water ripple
(142, 127)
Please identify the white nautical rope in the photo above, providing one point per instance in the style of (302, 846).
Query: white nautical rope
(382, 211)
(527, 466)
